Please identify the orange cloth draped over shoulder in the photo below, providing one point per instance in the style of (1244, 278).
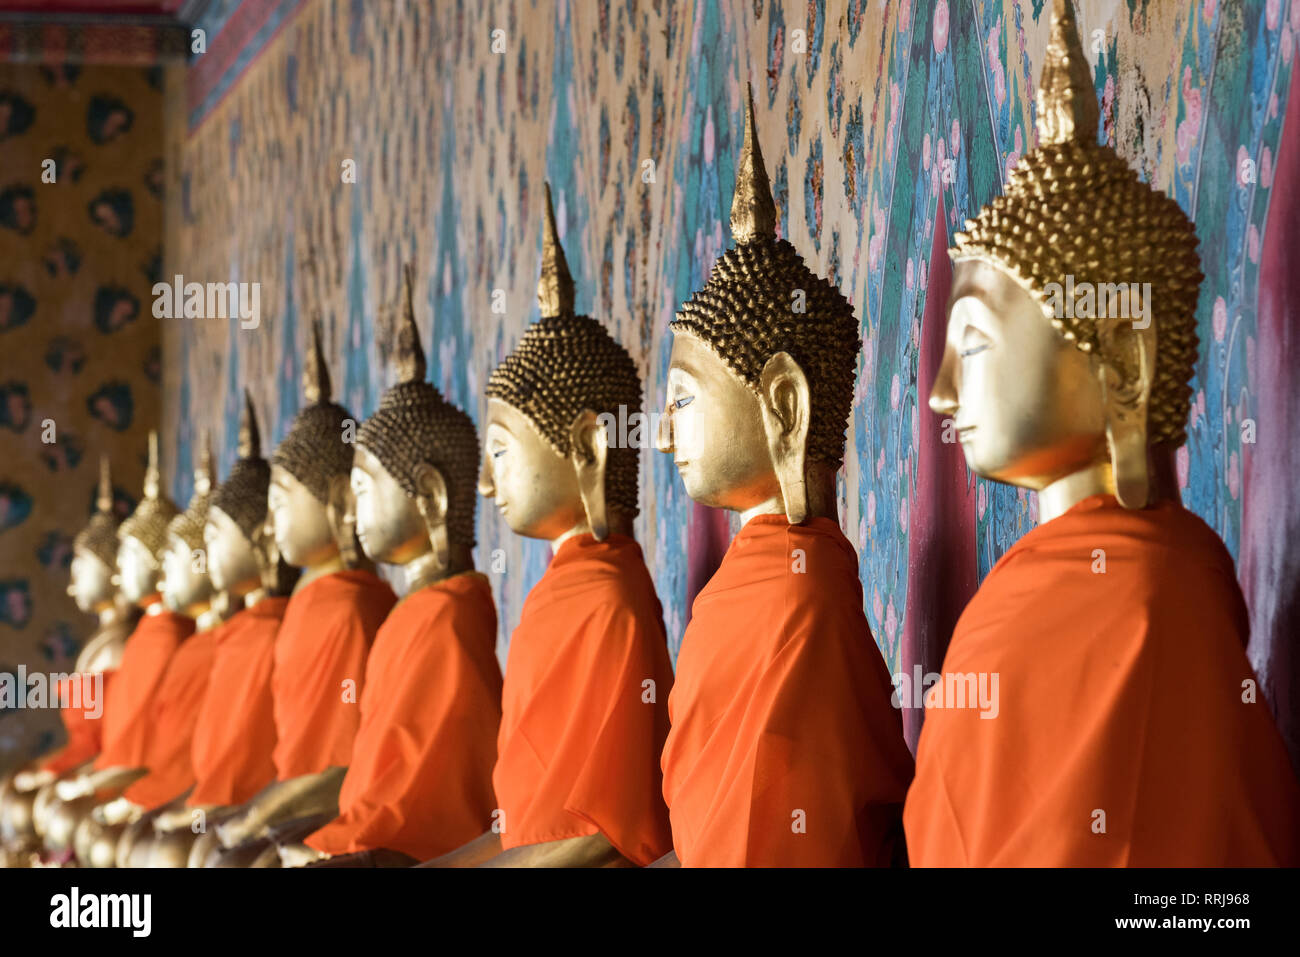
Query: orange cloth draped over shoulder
(1124, 734)
(420, 780)
(785, 748)
(82, 719)
(127, 721)
(320, 667)
(584, 711)
(235, 734)
(173, 715)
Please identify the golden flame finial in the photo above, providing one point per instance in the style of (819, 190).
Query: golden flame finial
(203, 471)
(410, 356)
(250, 437)
(315, 373)
(152, 477)
(104, 499)
(1067, 98)
(753, 214)
(555, 287)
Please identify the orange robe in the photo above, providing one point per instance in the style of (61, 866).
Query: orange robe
(173, 715)
(582, 725)
(235, 734)
(785, 749)
(127, 710)
(320, 666)
(420, 780)
(1120, 693)
(84, 731)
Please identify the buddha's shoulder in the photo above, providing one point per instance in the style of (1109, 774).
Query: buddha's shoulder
(599, 581)
(342, 594)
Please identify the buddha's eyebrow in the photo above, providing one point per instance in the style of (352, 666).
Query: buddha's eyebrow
(685, 366)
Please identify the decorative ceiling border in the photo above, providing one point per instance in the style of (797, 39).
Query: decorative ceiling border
(141, 41)
(237, 32)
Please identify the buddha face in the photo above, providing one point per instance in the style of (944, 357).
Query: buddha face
(713, 428)
(389, 525)
(300, 520)
(1024, 402)
(92, 581)
(185, 581)
(137, 569)
(534, 486)
(232, 563)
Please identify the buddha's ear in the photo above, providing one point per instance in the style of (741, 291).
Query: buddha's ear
(1127, 354)
(431, 500)
(340, 509)
(258, 543)
(589, 451)
(786, 403)
(266, 553)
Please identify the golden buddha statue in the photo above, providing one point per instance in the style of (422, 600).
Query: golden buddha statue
(542, 399)
(141, 539)
(1071, 340)
(109, 833)
(94, 559)
(309, 498)
(234, 735)
(94, 564)
(432, 702)
(591, 633)
(336, 607)
(759, 390)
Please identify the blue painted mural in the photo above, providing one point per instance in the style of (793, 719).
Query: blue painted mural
(876, 120)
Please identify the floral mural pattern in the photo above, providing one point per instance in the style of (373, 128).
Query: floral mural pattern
(80, 245)
(877, 120)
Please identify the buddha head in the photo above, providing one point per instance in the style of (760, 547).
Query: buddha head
(242, 555)
(94, 551)
(143, 536)
(415, 466)
(309, 499)
(761, 374)
(186, 586)
(547, 460)
(1071, 333)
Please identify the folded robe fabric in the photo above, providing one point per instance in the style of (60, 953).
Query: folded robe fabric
(1123, 733)
(785, 748)
(235, 734)
(84, 728)
(584, 705)
(126, 711)
(320, 664)
(420, 779)
(172, 716)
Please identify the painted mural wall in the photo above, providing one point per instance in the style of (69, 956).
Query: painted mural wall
(80, 366)
(885, 124)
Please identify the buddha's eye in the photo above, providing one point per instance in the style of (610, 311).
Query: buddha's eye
(497, 453)
(973, 342)
(683, 402)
